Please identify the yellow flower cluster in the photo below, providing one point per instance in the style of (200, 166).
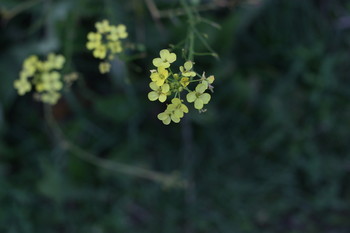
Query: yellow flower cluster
(105, 43)
(43, 76)
(165, 82)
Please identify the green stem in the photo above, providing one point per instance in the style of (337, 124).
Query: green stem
(195, 80)
(191, 45)
(172, 180)
(192, 26)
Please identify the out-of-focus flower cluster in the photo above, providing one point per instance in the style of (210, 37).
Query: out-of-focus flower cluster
(166, 83)
(41, 76)
(106, 42)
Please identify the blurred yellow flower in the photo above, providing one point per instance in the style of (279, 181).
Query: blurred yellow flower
(117, 32)
(50, 97)
(22, 86)
(103, 26)
(30, 65)
(94, 40)
(55, 61)
(104, 67)
(115, 47)
(43, 75)
(51, 81)
(100, 52)
(105, 43)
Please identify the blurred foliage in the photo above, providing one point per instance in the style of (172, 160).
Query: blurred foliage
(269, 155)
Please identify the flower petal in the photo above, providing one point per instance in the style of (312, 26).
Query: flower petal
(184, 108)
(162, 71)
(154, 86)
(178, 113)
(171, 107)
(165, 88)
(200, 88)
(171, 57)
(164, 53)
(160, 82)
(167, 121)
(188, 65)
(162, 97)
(191, 97)
(211, 79)
(154, 76)
(165, 64)
(205, 98)
(157, 62)
(176, 101)
(152, 96)
(162, 116)
(198, 104)
(175, 118)
(191, 74)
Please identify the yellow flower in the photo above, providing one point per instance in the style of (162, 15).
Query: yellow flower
(104, 67)
(100, 52)
(186, 70)
(115, 46)
(185, 81)
(165, 83)
(178, 108)
(198, 96)
(46, 81)
(207, 81)
(24, 74)
(30, 65)
(159, 76)
(165, 59)
(117, 32)
(103, 26)
(174, 112)
(106, 42)
(210, 79)
(44, 66)
(94, 40)
(55, 61)
(50, 97)
(51, 81)
(165, 117)
(159, 92)
(39, 87)
(22, 86)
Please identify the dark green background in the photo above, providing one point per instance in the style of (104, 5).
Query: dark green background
(271, 154)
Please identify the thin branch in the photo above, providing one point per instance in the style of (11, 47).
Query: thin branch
(205, 43)
(152, 7)
(9, 14)
(172, 180)
(205, 7)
